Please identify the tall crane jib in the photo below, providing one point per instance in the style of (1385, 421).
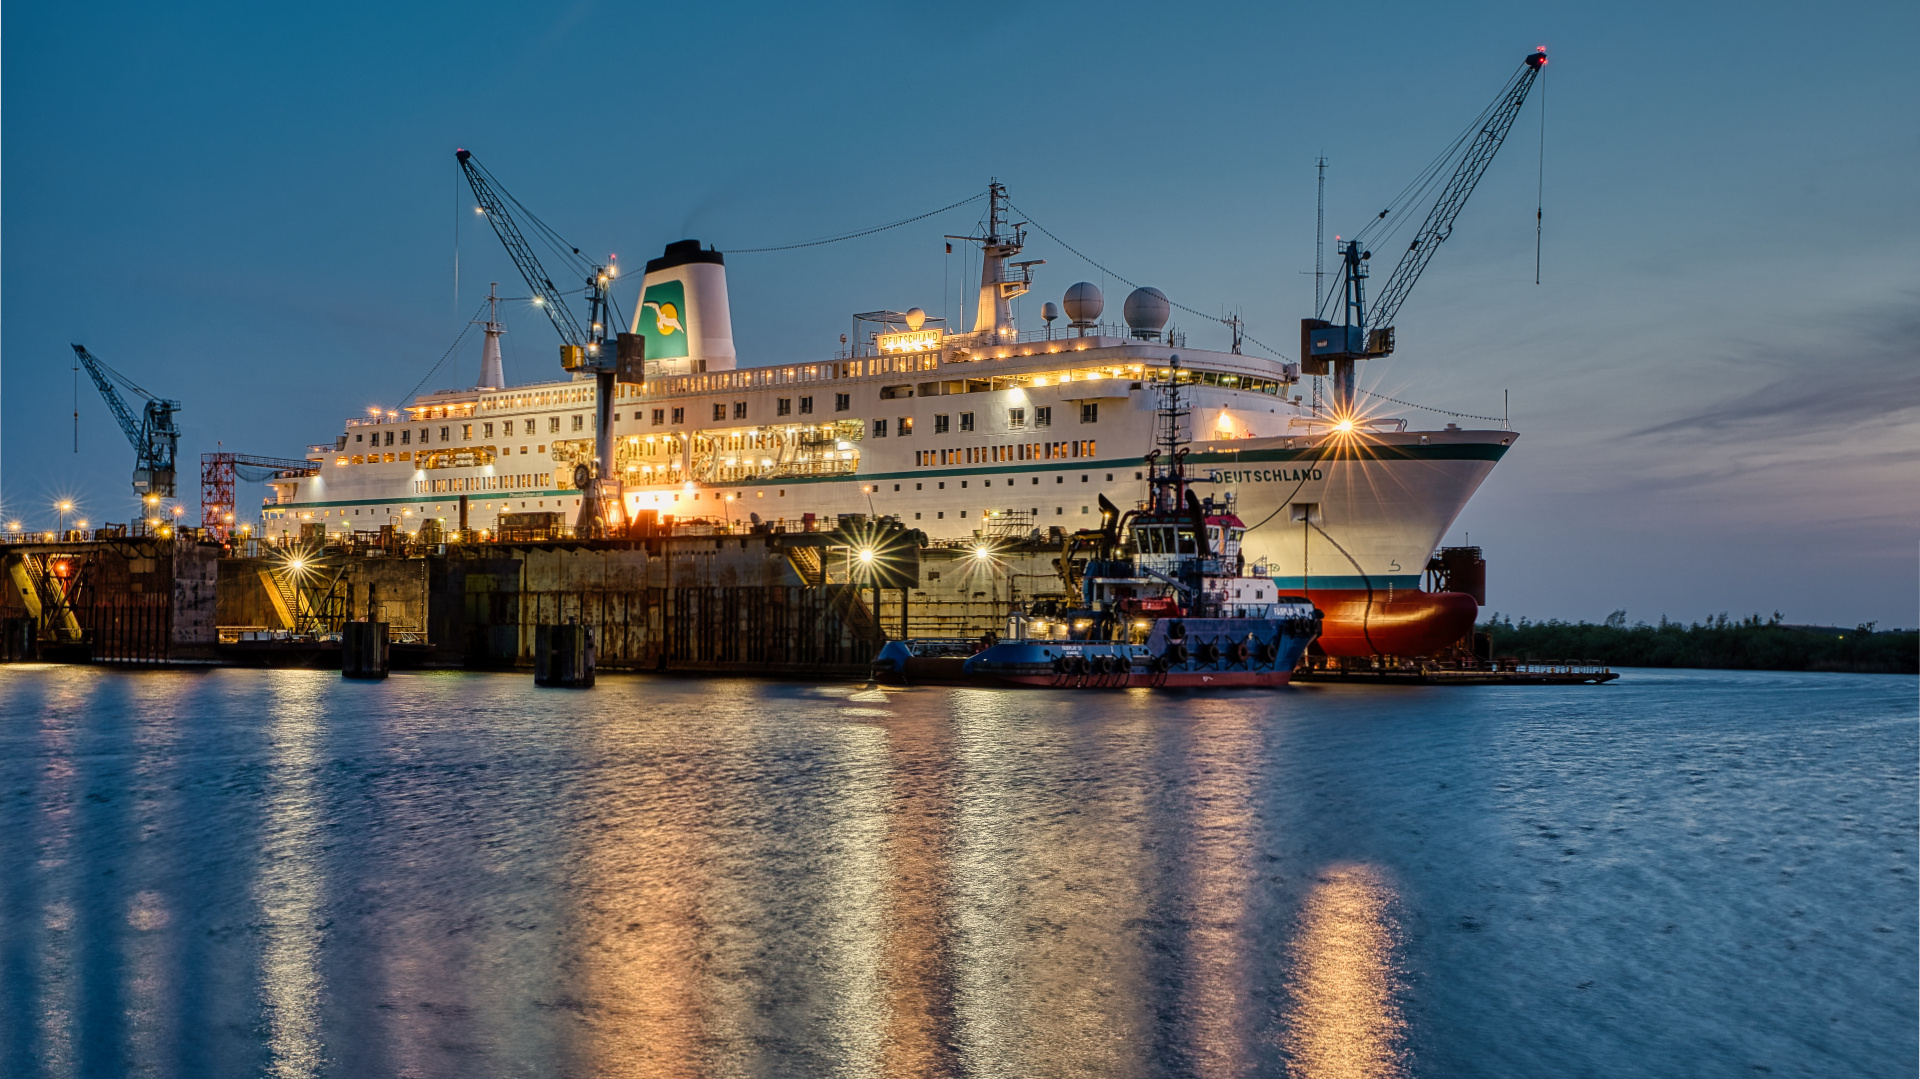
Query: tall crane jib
(582, 350)
(1329, 347)
(155, 437)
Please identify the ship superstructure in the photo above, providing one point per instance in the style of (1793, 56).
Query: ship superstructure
(995, 431)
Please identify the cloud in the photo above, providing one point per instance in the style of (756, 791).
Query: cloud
(1865, 371)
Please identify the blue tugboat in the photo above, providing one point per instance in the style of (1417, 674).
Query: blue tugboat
(1162, 601)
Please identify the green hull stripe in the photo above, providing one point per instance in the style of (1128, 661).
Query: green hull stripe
(1199, 463)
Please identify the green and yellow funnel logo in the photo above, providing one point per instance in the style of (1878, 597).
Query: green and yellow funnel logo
(663, 319)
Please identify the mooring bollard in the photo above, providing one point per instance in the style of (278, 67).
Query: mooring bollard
(563, 656)
(363, 650)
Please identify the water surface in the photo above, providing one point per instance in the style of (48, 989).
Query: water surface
(280, 873)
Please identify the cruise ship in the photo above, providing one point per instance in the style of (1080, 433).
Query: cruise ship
(992, 431)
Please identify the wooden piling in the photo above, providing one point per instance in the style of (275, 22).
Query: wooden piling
(563, 656)
(364, 650)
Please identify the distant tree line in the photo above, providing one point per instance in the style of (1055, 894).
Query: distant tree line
(1743, 644)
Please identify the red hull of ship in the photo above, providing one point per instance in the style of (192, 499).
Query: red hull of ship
(1408, 624)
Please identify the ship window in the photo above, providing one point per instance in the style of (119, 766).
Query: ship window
(357, 438)
(486, 430)
(842, 402)
(739, 410)
(1043, 416)
(1090, 412)
(579, 423)
(680, 415)
(906, 426)
(917, 486)
(783, 407)
(1016, 417)
(940, 424)
(443, 435)
(719, 411)
(966, 421)
(806, 406)
(466, 431)
(529, 426)
(553, 425)
(406, 437)
(879, 428)
(659, 416)
(1186, 541)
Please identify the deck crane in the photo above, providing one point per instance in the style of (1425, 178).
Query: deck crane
(155, 437)
(581, 349)
(1362, 334)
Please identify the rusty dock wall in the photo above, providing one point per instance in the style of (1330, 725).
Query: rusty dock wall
(788, 605)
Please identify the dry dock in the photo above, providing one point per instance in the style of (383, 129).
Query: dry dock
(702, 599)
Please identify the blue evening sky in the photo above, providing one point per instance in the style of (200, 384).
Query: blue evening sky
(251, 207)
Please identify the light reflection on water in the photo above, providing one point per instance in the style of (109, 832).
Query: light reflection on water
(1345, 1022)
(280, 873)
(290, 891)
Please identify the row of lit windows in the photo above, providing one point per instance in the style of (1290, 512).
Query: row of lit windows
(1026, 451)
(1016, 418)
(458, 485)
(407, 435)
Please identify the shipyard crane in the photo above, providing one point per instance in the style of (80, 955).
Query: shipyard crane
(1362, 334)
(583, 350)
(155, 437)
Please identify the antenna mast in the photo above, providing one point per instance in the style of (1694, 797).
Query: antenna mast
(1320, 237)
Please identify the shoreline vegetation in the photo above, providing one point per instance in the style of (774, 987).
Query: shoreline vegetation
(1719, 642)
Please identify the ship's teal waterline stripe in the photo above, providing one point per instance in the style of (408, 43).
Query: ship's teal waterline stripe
(1200, 464)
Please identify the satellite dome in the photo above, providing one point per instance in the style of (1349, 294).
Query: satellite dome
(1084, 303)
(916, 318)
(1049, 310)
(1146, 310)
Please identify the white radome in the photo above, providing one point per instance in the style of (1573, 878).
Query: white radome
(1083, 303)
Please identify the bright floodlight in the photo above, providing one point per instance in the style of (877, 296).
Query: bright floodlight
(866, 555)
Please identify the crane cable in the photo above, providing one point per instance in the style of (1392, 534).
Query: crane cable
(1103, 269)
(1428, 408)
(445, 355)
(1540, 185)
(856, 234)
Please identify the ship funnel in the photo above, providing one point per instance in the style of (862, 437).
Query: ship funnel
(683, 311)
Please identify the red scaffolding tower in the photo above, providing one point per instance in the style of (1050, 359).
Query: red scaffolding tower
(219, 471)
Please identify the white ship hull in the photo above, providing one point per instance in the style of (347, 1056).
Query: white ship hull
(989, 442)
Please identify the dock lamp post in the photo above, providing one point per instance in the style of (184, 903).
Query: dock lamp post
(65, 507)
